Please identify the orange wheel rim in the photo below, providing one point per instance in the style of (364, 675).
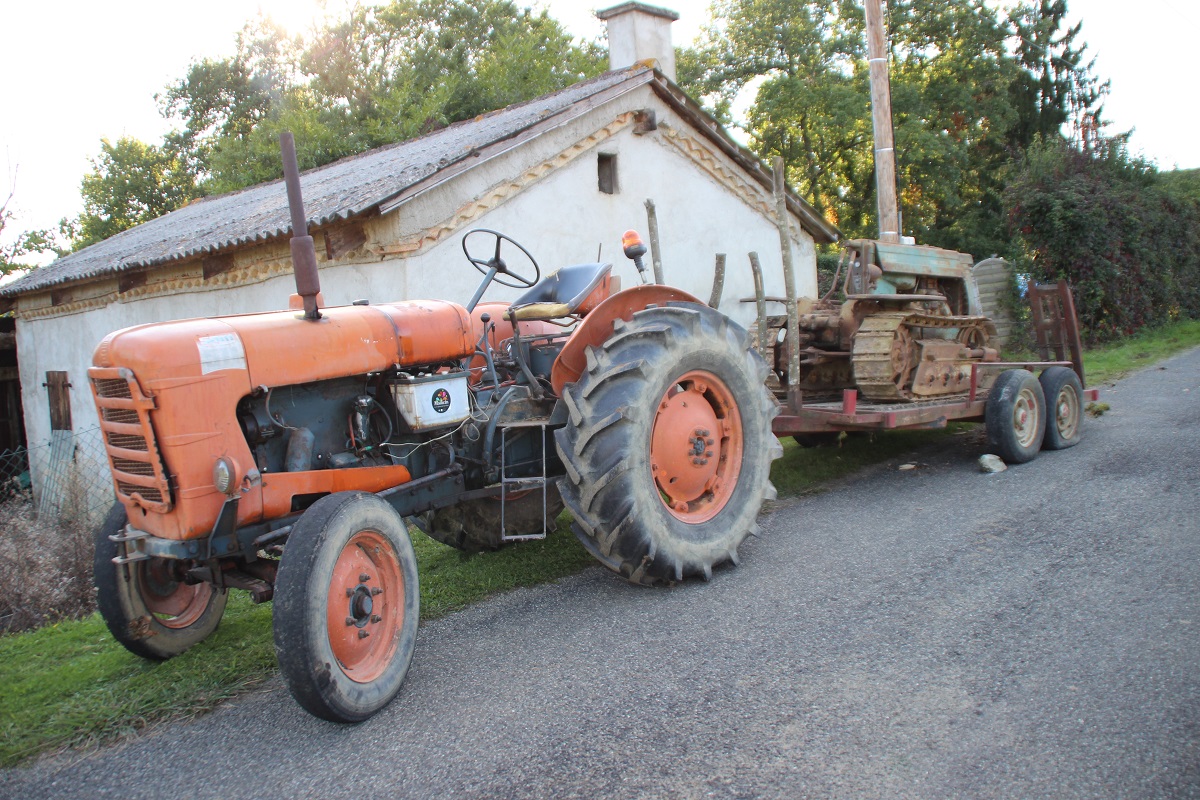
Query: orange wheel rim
(365, 608)
(173, 603)
(696, 447)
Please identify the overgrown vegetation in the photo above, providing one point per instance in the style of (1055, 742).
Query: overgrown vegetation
(71, 684)
(45, 570)
(1126, 240)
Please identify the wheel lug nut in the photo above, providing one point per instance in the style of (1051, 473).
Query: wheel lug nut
(349, 592)
(709, 442)
(363, 634)
(376, 618)
(708, 454)
(364, 577)
(350, 620)
(376, 590)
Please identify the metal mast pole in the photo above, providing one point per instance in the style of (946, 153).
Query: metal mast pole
(881, 119)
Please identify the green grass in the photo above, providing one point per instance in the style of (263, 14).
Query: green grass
(71, 684)
(1114, 361)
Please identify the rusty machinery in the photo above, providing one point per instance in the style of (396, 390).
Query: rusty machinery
(281, 453)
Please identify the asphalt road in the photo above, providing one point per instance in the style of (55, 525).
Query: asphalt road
(928, 633)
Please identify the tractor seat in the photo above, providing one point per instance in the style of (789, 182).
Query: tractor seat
(560, 294)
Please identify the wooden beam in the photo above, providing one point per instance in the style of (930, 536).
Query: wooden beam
(130, 281)
(343, 239)
(881, 120)
(215, 265)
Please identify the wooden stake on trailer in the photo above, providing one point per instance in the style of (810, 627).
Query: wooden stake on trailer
(718, 282)
(881, 120)
(789, 284)
(655, 250)
(760, 300)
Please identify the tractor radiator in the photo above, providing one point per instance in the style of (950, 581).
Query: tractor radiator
(124, 413)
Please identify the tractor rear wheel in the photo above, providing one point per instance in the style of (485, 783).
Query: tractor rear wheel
(1064, 407)
(146, 604)
(668, 444)
(1015, 416)
(474, 525)
(346, 607)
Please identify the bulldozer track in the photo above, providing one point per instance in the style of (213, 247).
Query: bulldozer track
(885, 350)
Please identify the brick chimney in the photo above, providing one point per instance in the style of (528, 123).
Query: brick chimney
(637, 32)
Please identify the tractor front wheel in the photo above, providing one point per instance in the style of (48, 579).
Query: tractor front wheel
(346, 607)
(668, 444)
(146, 604)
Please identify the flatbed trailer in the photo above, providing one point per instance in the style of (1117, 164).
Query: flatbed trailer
(1056, 327)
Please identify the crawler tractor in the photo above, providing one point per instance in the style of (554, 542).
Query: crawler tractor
(909, 327)
(282, 453)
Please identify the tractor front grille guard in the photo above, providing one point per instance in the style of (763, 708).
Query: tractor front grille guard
(137, 467)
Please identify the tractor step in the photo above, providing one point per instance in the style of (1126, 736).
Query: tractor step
(509, 486)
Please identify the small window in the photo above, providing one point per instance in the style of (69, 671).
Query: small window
(606, 171)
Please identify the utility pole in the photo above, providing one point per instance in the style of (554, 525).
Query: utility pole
(881, 119)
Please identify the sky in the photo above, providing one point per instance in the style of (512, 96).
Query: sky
(76, 72)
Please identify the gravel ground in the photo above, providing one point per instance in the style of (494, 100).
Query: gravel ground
(928, 633)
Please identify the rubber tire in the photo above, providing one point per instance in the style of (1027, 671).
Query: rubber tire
(1062, 384)
(474, 526)
(1013, 387)
(124, 610)
(302, 596)
(619, 515)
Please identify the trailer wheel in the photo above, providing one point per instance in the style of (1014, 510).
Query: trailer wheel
(474, 525)
(668, 444)
(1064, 403)
(1015, 416)
(146, 604)
(346, 607)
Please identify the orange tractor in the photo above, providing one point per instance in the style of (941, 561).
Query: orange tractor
(281, 453)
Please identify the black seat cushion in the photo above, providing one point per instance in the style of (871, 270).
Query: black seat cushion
(560, 294)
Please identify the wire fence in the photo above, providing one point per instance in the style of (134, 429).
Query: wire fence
(52, 497)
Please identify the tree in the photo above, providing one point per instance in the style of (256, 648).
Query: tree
(949, 74)
(130, 182)
(14, 253)
(381, 75)
(1055, 86)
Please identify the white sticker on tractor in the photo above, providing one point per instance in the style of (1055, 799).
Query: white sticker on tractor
(221, 352)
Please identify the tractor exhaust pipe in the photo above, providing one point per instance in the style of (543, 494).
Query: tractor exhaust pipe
(304, 255)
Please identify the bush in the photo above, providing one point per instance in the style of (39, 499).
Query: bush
(1104, 222)
(45, 568)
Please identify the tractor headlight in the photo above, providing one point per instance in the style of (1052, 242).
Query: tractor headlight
(224, 476)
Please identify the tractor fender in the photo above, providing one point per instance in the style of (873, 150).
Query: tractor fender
(597, 327)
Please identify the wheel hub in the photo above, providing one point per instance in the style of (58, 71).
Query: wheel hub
(695, 448)
(365, 609)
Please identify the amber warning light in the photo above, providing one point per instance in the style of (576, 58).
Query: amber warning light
(631, 242)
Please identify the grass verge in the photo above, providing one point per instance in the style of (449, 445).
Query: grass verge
(1114, 361)
(71, 684)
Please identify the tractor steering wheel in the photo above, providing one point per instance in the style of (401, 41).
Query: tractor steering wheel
(513, 279)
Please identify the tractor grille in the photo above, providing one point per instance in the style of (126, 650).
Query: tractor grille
(122, 415)
(129, 438)
(113, 387)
